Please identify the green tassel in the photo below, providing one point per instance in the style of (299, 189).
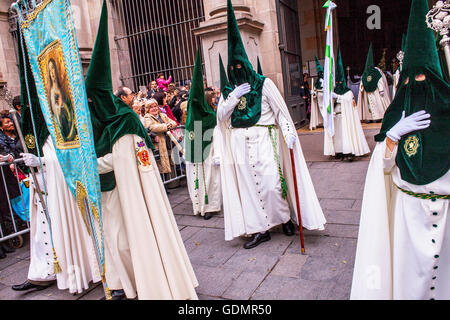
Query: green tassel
(196, 184)
(284, 188)
(206, 199)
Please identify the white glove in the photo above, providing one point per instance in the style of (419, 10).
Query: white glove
(414, 122)
(31, 160)
(382, 93)
(241, 90)
(290, 140)
(216, 161)
(334, 95)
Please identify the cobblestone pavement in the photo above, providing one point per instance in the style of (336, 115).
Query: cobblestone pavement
(274, 269)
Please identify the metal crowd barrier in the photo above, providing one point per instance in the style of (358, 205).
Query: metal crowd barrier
(178, 165)
(12, 227)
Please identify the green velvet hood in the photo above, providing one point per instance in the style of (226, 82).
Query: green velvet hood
(34, 145)
(248, 111)
(111, 118)
(423, 156)
(260, 71)
(199, 112)
(371, 75)
(223, 76)
(341, 83)
(319, 68)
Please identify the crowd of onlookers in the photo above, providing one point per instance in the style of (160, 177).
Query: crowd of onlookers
(162, 109)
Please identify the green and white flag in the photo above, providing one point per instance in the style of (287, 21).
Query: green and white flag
(329, 77)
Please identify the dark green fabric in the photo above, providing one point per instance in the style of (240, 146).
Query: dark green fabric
(197, 144)
(111, 118)
(431, 161)
(223, 76)
(42, 132)
(319, 68)
(341, 83)
(260, 71)
(403, 42)
(250, 115)
(371, 75)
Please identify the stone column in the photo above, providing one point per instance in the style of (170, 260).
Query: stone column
(213, 32)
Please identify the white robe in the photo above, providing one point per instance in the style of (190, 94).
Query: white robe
(373, 105)
(211, 180)
(41, 253)
(73, 244)
(145, 254)
(316, 118)
(252, 196)
(395, 256)
(396, 82)
(348, 136)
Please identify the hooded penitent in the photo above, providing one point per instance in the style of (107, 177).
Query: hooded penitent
(319, 68)
(201, 118)
(111, 117)
(371, 75)
(423, 156)
(30, 113)
(240, 70)
(341, 84)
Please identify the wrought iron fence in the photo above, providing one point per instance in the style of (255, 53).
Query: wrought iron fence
(155, 36)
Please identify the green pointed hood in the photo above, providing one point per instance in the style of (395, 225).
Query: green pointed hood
(319, 68)
(421, 51)
(403, 42)
(341, 83)
(201, 118)
(111, 118)
(371, 75)
(240, 71)
(260, 71)
(423, 156)
(223, 76)
(34, 144)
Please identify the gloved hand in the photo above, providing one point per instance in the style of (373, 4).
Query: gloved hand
(290, 140)
(216, 161)
(241, 90)
(414, 122)
(31, 160)
(334, 95)
(382, 93)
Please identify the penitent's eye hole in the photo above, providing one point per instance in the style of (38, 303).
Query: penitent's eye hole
(421, 77)
(238, 66)
(406, 81)
(232, 68)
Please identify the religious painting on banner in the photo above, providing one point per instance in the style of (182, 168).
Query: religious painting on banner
(47, 30)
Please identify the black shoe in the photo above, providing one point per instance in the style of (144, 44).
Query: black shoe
(288, 228)
(27, 285)
(7, 248)
(257, 239)
(207, 216)
(118, 295)
(339, 156)
(349, 158)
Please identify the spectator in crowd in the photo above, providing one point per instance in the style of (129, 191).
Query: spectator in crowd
(211, 97)
(152, 89)
(162, 82)
(181, 103)
(126, 95)
(306, 92)
(18, 106)
(9, 140)
(139, 108)
(159, 123)
(160, 97)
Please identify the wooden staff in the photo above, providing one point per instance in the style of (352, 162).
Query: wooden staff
(299, 215)
(169, 133)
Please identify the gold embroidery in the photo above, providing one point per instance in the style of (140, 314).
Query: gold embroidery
(142, 155)
(242, 103)
(369, 78)
(191, 135)
(411, 145)
(30, 141)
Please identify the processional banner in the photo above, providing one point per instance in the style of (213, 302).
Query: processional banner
(49, 35)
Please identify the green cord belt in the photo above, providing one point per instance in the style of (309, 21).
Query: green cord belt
(425, 196)
(273, 138)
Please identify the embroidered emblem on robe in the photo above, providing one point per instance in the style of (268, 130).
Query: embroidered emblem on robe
(411, 146)
(142, 156)
(30, 141)
(242, 103)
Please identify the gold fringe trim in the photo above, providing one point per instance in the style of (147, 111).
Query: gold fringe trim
(56, 267)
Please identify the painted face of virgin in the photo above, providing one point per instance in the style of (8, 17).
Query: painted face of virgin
(52, 71)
